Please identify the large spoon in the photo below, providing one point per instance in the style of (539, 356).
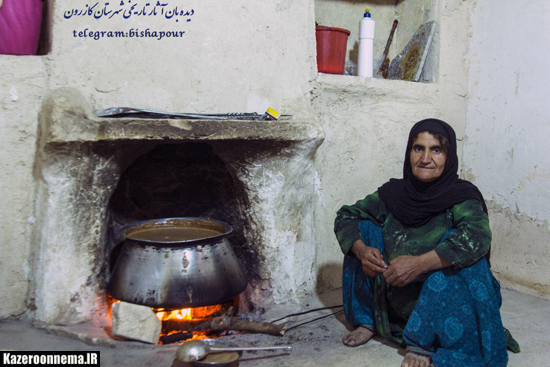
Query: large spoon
(196, 349)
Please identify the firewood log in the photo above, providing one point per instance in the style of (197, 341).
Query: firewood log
(221, 323)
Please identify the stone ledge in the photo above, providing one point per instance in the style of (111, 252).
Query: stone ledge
(67, 118)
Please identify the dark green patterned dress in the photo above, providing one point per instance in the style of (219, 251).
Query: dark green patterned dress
(468, 244)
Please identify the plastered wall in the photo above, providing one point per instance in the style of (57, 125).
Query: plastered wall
(236, 56)
(22, 86)
(506, 150)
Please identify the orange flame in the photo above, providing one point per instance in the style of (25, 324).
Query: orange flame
(187, 313)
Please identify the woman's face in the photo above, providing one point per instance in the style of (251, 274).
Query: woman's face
(427, 157)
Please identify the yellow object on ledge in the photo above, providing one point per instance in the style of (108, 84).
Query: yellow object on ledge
(271, 112)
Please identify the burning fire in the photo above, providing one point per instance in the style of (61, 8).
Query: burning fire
(183, 314)
(196, 313)
(179, 318)
(187, 320)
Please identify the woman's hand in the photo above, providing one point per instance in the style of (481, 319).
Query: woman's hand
(403, 270)
(370, 257)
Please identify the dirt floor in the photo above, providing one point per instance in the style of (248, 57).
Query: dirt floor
(316, 344)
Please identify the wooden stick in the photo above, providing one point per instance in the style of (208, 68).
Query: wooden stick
(224, 323)
(385, 61)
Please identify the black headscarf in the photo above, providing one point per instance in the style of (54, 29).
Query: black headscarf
(414, 202)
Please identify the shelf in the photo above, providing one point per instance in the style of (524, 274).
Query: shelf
(373, 86)
(67, 118)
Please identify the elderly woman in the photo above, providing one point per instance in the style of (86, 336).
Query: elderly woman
(416, 267)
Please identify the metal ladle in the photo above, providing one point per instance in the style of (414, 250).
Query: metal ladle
(196, 349)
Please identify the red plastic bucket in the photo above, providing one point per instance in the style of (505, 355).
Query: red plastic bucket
(331, 49)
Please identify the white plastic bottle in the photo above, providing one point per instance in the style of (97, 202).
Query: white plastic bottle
(366, 46)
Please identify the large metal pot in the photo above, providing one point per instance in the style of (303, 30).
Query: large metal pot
(168, 273)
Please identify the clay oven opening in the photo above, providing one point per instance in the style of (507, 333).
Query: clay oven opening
(177, 180)
(181, 181)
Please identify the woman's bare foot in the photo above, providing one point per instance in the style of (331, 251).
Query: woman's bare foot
(415, 360)
(357, 337)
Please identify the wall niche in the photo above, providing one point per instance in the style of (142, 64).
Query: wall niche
(410, 14)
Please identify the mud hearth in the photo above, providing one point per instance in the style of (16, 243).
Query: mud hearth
(260, 175)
